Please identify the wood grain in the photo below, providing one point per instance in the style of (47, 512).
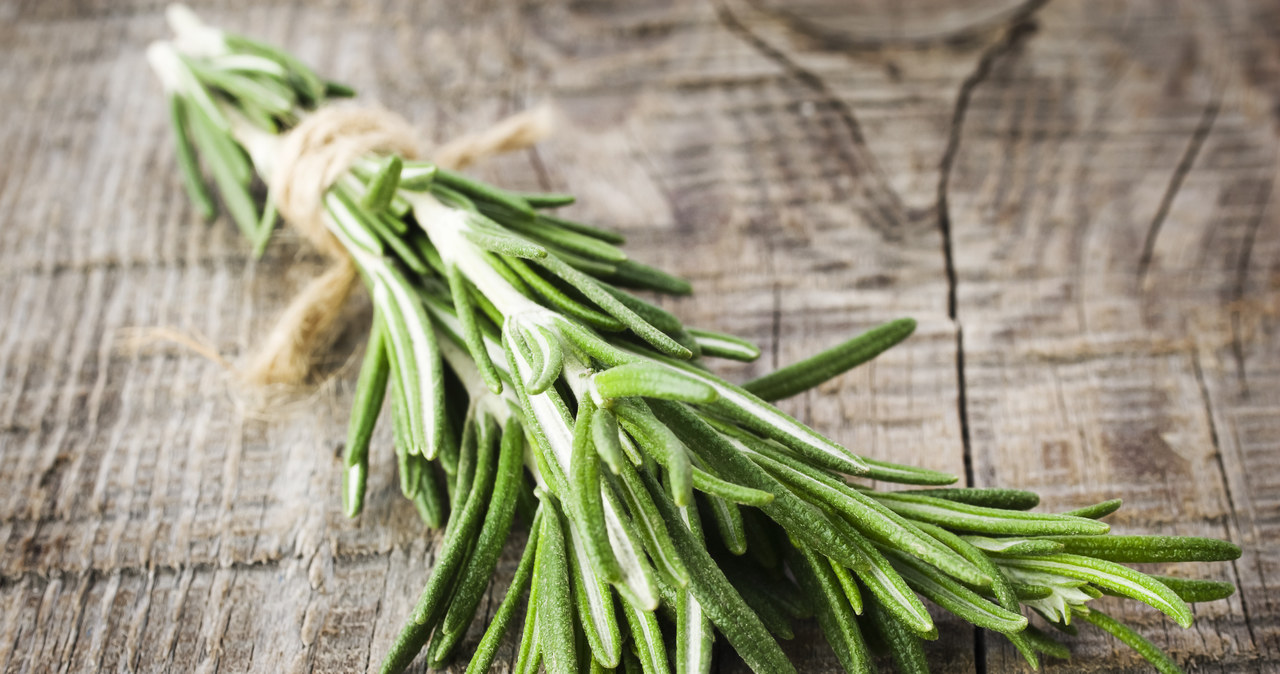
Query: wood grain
(1074, 199)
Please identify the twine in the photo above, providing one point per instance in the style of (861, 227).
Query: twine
(311, 158)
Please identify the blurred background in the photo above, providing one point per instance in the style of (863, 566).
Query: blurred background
(1073, 198)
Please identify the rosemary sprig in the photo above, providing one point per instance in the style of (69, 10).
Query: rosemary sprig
(598, 402)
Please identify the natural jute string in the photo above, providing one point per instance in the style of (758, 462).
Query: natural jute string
(312, 157)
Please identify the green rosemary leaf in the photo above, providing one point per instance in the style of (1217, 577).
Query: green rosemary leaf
(646, 635)
(758, 416)
(651, 380)
(886, 471)
(848, 585)
(770, 615)
(378, 226)
(889, 587)
(585, 340)
(529, 653)
(1138, 549)
(383, 185)
(462, 530)
(544, 199)
(954, 597)
(563, 302)
(461, 291)
(196, 188)
(555, 609)
(657, 316)
(632, 274)
(1014, 546)
(1025, 592)
(266, 225)
(905, 646)
(502, 243)
(721, 345)
(494, 530)
(548, 233)
(1001, 587)
(589, 287)
(1193, 590)
(1097, 510)
(835, 615)
(308, 84)
(588, 503)
(487, 650)
(548, 220)
(478, 191)
(694, 635)
(550, 358)
(402, 442)
(1109, 576)
(1045, 644)
(653, 532)
(658, 441)
(799, 518)
(721, 603)
(729, 523)
(417, 176)
(604, 437)
(983, 520)
(231, 172)
(1005, 499)
(713, 486)
(430, 499)
(638, 585)
(1152, 653)
(594, 599)
(371, 389)
(835, 361)
(870, 517)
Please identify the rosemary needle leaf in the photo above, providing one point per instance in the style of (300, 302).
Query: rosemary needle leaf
(984, 520)
(493, 532)
(431, 499)
(1014, 546)
(461, 292)
(461, 532)
(555, 609)
(478, 191)
(197, 190)
(694, 635)
(799, 518)
(646, 635)
(589, 504)
(1158, 658)
(954, 597)
(632, 274)
(1108, 576)
(1097, 510)
(732, 527)
(1139, 549)
(503, 243)
(835, 361)
(1193, 590)
(653, 531)
(548, 220)
(1007, 499)
(660, 443)
(721, 603)
(905, 646)
(594, 600)
(651, 380)
(604, 437)
(1045, 644)
(544, 199)
(371, 389)
(886, 471)
(848, 585)
(487, 650)
(383, 185)
(835, 615)
(894, 594)
(549, 358)
(589, 287)
(710, 484)
(561, 301)
(720, 345)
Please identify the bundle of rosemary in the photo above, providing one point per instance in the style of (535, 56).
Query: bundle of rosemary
(666, 507)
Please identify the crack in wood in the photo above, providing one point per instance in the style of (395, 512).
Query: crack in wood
(1180, 172)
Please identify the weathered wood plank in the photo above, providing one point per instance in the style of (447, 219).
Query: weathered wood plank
(1075, 201)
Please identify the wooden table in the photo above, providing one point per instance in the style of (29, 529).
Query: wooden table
(1074, 199)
